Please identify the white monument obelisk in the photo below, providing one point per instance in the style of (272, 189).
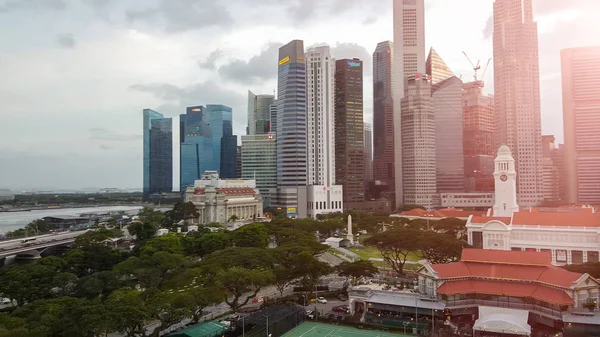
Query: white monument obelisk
(350, 236)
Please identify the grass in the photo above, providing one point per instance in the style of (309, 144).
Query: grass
(310, 329)
(372, 252)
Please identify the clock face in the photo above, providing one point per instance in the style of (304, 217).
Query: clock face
(503, 177)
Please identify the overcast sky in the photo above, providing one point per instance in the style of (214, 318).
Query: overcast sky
(76, 74)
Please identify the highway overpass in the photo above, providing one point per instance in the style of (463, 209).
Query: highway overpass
(41, 242)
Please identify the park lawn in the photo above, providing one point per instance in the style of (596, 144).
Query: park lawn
(371, 252)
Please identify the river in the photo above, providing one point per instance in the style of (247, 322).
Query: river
(14, 220)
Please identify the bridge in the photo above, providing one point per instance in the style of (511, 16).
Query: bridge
(36, 243)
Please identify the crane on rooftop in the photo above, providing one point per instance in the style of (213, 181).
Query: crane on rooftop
(477, 67)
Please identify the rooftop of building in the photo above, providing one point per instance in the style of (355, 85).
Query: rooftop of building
(574, 216)
(441, 213)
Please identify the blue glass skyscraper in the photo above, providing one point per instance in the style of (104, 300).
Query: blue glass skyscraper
(196, 149)
(158, 153)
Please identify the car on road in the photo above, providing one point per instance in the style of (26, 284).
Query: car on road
(341, 308)
(322, 300)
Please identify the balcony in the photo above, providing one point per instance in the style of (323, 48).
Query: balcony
(552, 313)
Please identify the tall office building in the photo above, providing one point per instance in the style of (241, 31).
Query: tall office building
(322, 193)
(551, 171)
(220, 122)
(383, 120)
(446, 95)
(350, 158)
(581, 117)
(259, 162)
(368, 139)
(196, 146)
(259, 113)
(158, 153)
(418, 141)
(409, 60)
(517, 94)
(273, 114)
(478, 138)
(228, 161)
(291, 127)
(238, 162)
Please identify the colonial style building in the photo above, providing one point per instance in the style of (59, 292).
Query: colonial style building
(497, 293)
(219, 200)
(570, 234)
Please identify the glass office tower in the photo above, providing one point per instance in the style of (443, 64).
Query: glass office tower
(196, 151)
(158, 153)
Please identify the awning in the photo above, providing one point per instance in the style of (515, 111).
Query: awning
(502, 320)
(408, 300)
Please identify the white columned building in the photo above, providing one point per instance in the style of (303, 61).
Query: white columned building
(571, 234)
(322, 195)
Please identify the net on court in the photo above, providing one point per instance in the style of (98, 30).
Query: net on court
(311, 329)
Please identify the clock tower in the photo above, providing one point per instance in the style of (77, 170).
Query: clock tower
(505, 178)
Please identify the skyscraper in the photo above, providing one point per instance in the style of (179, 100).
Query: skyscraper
(383, 120)
(291, 125)
(158, 153)
(409, 60)
(323, 196)
(478, 138)
(273, 114)
(196, 146)
(259, 113)
(581, 117)
(418, 141)
(551, 171)
(517, 94)
(220, 122)
(259, 162)
(350, 158)
(368, 138)
(228, 161)
(446, 95)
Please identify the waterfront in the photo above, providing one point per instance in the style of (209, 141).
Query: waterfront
(14, 220)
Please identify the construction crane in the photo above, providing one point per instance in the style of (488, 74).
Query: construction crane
(477, 67)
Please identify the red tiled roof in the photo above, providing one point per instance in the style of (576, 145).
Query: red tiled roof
(506, 256)
(499, 288)
(485, 219)
(580, 219)
(236, 191)
(514, 266)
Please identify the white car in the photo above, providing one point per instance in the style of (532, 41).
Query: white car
(321, 300)
(5, 301)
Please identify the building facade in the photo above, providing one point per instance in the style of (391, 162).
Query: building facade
(446, 96)
(228, 158)
(581, 102)
(552, 175)
(221, 124)
(418, 141)
(320, 97)
(383, 121)
(478, 138)
(259, 163)
(291, 125)
(517, 94)
(409, 60)
(196, 146)
(158, 153)
(259, 113)
(350, 158)
(368, 139)
(218, 200)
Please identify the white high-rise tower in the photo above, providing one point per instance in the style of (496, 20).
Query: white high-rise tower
(409, 60)
(517, 94)
(323, 196)
(505, 177)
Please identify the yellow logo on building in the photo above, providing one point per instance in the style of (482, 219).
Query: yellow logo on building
(284, 60)
(299, 58)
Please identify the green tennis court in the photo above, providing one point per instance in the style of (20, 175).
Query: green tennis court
(310, 329)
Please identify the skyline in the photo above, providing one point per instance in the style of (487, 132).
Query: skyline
(86, 90)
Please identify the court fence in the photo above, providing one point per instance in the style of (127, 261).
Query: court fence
(273, 320)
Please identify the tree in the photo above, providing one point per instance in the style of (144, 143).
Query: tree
(28, 283)
(233, 218)
(309, 269)
(151, 216)
(91, 258)
(184, 211)
(240, 281)
(127, 312)
(243, 257)
(252, 235)
(97, 236)
(168, 307)
(203, 297)
(356, 269)
(151, 271)
(170, 243)
(204, 244)
(142, 231)
(99, 285)
(452, 226)
(440, 248)
(282, 278)
(396, 245)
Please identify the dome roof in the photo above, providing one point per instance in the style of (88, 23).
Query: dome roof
(504, 150)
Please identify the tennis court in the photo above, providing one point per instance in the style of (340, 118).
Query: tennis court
(309, 329)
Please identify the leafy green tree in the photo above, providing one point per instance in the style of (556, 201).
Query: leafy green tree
(233, 218)
(28, 283)
(98, 285)
(127, 312)
(252, 235)
(143, 231)
(202, 298)
(204, 244)
(91, 258)
(169, 243)
(396, 245)
(151, 271)
(244, 257)
(357, 269)
(238, 282)
(97, 236)
(309, 269)
(167, 307)
(282, 278)
(184, 211)
(40, 226)
(150, 215)
(440, 248)
(452, 226)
